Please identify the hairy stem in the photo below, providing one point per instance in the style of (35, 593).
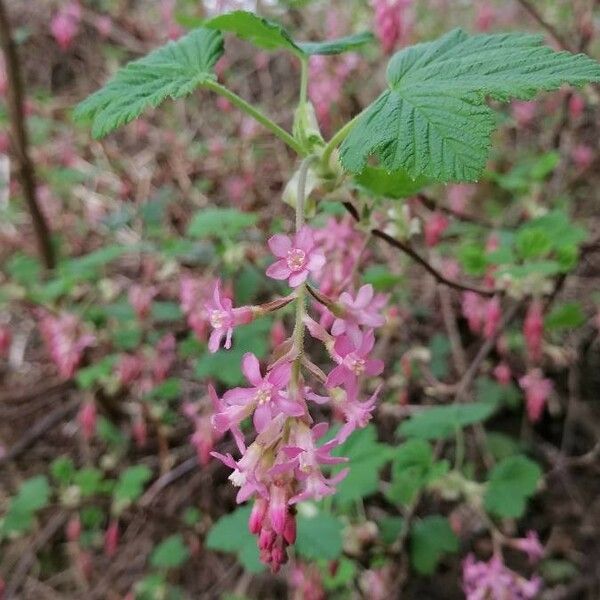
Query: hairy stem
(21, 140)
(337, 139)
(250, 110)
(303, 81)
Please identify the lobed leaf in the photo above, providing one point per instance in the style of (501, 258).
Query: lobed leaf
(172, 71)
(433, 121)
(337, 46)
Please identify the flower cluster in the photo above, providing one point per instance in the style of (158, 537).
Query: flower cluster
(288, 460)
(66, 341)
(392, 22)
(64, 25)
(493, 579)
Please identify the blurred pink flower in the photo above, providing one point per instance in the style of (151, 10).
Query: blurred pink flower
(87, 419)
(64, 25)
(435, 225)
(533, 330)
(537, 390)
(524, 112)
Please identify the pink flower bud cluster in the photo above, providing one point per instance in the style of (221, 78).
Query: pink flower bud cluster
(140, 297)
(306, 582)
(64, 25)
(66, 341)
(205, 436)
(537, 390)
(393, 22)
(493, 579)
(285, 463)
(533, 331)
(483, 315)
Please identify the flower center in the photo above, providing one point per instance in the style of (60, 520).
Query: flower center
(218, 318)
(357, 365)
(296, 259)
(263, 395)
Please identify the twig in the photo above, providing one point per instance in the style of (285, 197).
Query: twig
(439, 277)
(39, 429)
(21, 141)
(54, 525)
(552, 31)
(167, 479)
(432, 205)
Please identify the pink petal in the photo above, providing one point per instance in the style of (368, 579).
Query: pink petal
(215, 340)
(238, 396)
(368, 341)
(319, 430)
(279, 270)
(280, 375)
(374, 367)
(364, 296)
(280, 245)
(251, 369)
(316, 262)
(304, 239)
(343, 346)
(262, 417)
(297, 279)
(338, 327)
(217, 294)
(290, 408)
(337, 376)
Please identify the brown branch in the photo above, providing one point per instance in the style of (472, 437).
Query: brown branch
(432, 205)
(20, 140)
(439, 277)
(552, 31)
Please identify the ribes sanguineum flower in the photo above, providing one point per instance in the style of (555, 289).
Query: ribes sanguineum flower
(353, 360)
(391, 21)
(530, 545)
(266, 398)
(537, 390)
(223, 318)
(140, 297)
(533, 330)
(494, 580)
(298, 257)
(357, 311)
(64, 25)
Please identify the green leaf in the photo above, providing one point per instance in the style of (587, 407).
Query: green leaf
(366, 457)
(62, 469)
(390, 528)
(223, 223)
(381, 278)
(383, 183)
(430, 539)
(172, 71)
(566, 316)
(412, 469)
(337, 46)
(319, 536)
(166, 311)
(511, 482)
(89, 481)
(442, 421)
(532, 243)
(170, 553)
(269, 35)
(440, 349)
(433, 121)
(131, 484)
(33, 495)
(89, 376)
(230, 534)
(254, 29)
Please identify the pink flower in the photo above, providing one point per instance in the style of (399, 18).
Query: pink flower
(223, 318)
(64, 25)
(533, 330)
(103, 24)
(391, 23)
(524, 112)
(129, 368)
(111, 539)
(355, 413)
(364, 309)
(485, 16)
(65, 340)
(140, 298)
(492, 317)
(531, 546)
(576, 106)
(306, 460)
(495, 581)
(583, 156)
(473, 308)
(435, 226)
(537, 389)
(5, 340)
(265, 399)
(502, 373)
(306, 582)
(87, 420)
(73, 529)
(353, 360)
(297, 256)
(139, 431)
(164, 357)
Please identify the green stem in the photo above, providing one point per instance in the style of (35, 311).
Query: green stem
(337, 139)
(236, 100)
(303, 81)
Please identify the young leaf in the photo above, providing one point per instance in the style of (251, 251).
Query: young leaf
(511, 482)
(223, 223)
(170, 553)
(566, 316)
(272, 36)
(337, 46)
(131, 484)
(256, 30)
(442, 421)
(319, 536)
(433, 121)
(389, 184)
(172, 71)
(430, 539)
(230, 534)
